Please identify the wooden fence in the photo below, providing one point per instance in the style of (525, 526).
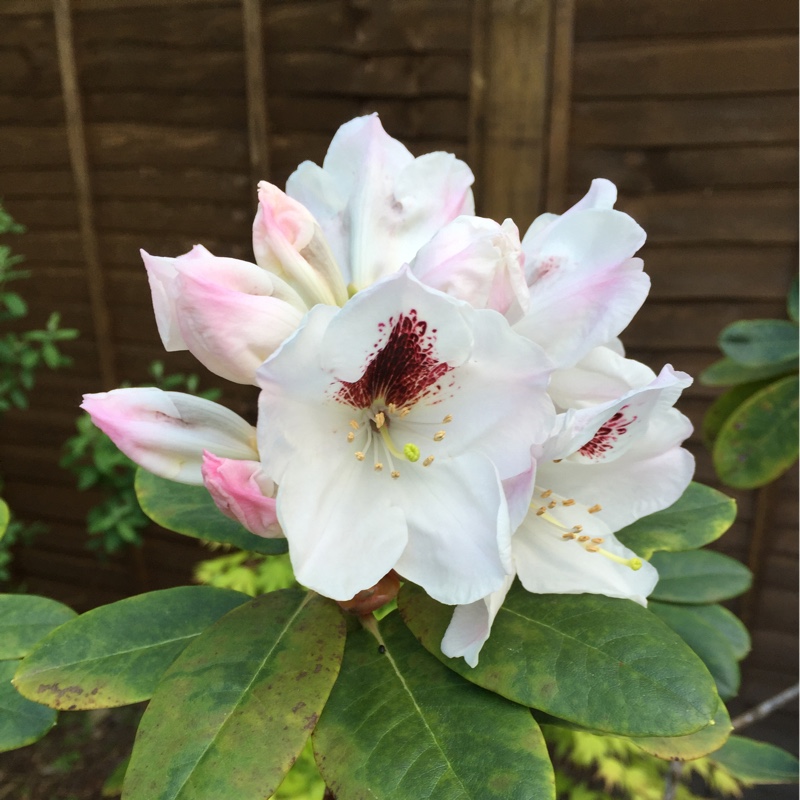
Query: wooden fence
(145, 123)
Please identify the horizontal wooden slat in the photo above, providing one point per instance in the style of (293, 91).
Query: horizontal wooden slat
(692, 67)
(764, 216)
(686, 327)
(612, 19)
(778, 610)
(715, 272)
(657, 170)
(686, 122)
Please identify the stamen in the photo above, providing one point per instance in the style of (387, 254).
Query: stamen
(438, 436)
(391, 408)
(404, 412)
(598, 540)
(411, 452)
(569, 502)
(592, 548)
(360, 456)
(552, 504)
(351, 436)
(595, 508)
(541, 511)
(577, 528)
(584, 538)
(354, 425)
(569, 535)
(395, 473)
(448, 418)
(634, 563)
(547, 493)
(380, 419)
(428, 461)
(378, 466)
(557, 460)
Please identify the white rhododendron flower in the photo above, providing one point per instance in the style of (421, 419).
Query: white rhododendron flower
(604, 466)
(389, 426)
(439, 400)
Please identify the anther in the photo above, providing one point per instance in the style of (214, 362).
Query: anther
(448, 418)
(354, 425)
(395, 473)
(584, 538)
(598, 540)
(404, 412)
(592, 548)
(568, 535)
(360, 456)
(595, 508)
(577, 528)
(547, 493)
(351, 436)
(380, 418)
(438, 436)
(391, 408)
(557, 460)
(541, 511)
(428, 461)
(552, 504)
(569, 502)
(378, 466)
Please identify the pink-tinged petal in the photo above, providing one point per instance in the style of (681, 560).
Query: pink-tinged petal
(478, 261)
(605, 432)
(471, 625)
(602, 376)
(344, 531)
(584, 285)
(167, 432)
(518, 491)
(243, 492)
(548, 564)
(230, 320)
(289, 242)
(649, 477)
(375, 202)
(459, 535)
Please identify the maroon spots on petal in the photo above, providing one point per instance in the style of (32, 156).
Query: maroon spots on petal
(608, 434)
(403, 371)
(546, 267)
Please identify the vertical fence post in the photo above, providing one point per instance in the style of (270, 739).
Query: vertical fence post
(519, 104)
(255, 70)
(76, 141)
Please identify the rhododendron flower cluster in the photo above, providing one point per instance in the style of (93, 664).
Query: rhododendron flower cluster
(439, 399)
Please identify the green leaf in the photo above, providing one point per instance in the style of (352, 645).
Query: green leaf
(25, 619)
(400, 725)
(5, 518)
(114, 655)
(699, 576)
(191, 511)
(756, 762)
(724, 406)
(760, 342)
(21, 721)
(700, 516)
(759, 441)
(604, 663)
(693, 745)
(698, 630)
(727, 372)
(791, 301)
(233, 712)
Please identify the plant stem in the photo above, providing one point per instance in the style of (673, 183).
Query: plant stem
(766, 708)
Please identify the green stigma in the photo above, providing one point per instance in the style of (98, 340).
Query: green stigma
(411, 452)
(635, 564)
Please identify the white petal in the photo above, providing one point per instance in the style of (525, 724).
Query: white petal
(548, 564)
(344, 531)
(471, 625)
(478, 261)
(376, 204)
(459, 536)
(167, 432)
